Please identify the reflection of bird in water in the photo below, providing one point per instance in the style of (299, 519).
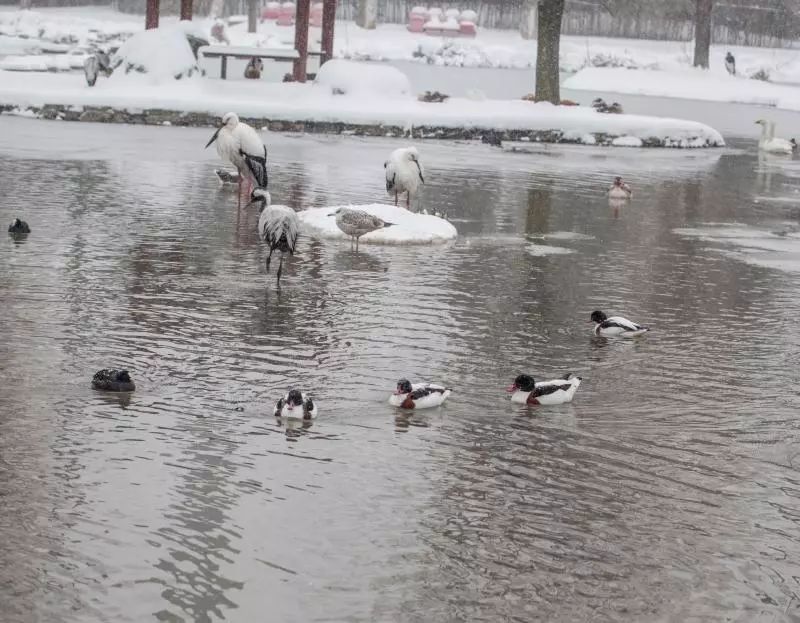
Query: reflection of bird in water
(295, 405)
(769, 142)
(356, 223)
(278, 226)
(619, 190)
(404, 174)
(240, 144)
(616, 326)
(525, 390)
(418, 395)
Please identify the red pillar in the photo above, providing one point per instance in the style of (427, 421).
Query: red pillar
(328, 22)
(186, 9)
(151, 16)
(301, 39)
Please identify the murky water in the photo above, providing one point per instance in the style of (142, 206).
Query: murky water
(668, 491)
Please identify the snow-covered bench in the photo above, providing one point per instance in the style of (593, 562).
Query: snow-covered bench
(223, 52)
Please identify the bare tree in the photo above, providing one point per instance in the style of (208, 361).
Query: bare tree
(702, 32)
(547, 87)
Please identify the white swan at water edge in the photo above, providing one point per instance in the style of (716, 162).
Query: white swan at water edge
(525, 390)
(404, 174)
(769, 142)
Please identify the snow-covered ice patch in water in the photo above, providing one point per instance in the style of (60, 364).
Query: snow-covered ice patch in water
(539, 250)
(408, 227)
(351, 78)
(758, 247)
(563, 235)
(627, 141)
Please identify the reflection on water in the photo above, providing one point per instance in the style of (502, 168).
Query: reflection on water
(666, 491)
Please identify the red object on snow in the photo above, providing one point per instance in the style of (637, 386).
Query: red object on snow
(416, 22)
(286, 17)
(316, 15)
(271, 11)
(467, 29)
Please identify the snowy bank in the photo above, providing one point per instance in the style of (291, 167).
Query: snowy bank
(408, 228)
(688, 84)
(310, 107)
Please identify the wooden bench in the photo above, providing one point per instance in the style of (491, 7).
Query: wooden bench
(223, 52)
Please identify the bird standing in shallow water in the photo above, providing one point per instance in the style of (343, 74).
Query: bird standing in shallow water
(356, 223)
(240, 144)
(616, 326)
(404, 174)
(278, 226)
(619, 190)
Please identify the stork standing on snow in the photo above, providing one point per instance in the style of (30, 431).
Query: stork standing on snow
(404, 173)
(278, 226)
(240, 144)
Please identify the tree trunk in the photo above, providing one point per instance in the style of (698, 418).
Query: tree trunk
(547, 87)
(186, 10)
(367, 14)
(252, 15)
(24, 4)
(527, 23)
(151, 15)
(702, 32)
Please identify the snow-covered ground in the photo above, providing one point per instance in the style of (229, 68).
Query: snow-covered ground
(317, 103)
(408, 227)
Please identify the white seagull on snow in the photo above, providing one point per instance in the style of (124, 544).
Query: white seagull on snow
(356, 223)
(404, 173)
(241, 145)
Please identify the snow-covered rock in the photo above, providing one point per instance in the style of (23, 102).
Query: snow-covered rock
(408, 228)
(627, 141)
(161, 54)
(351, 78)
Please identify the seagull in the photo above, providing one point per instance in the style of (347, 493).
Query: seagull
(356, 223)
(278, 226)
(404, 173)
(730, 64)
(241, 145)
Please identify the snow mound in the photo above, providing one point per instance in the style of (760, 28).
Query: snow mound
(627, 141)
(162, 54)
(351, 78)
(409, 227)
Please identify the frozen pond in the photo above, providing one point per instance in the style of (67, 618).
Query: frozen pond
(667, 491)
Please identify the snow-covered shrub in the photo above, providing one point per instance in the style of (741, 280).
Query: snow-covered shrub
(350, 78)
(762, 74)
(163, 54)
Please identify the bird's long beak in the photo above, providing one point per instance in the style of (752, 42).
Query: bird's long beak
(334, 214)
(511, 388)
(213, 138)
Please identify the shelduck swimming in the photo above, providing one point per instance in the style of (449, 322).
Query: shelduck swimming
(619, 190)
(19, 226)
(418, 395)
(295, 405)
(525, 390)
(616, 326)
(769, 142)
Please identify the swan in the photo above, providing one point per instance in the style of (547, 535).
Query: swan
(768, 141)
